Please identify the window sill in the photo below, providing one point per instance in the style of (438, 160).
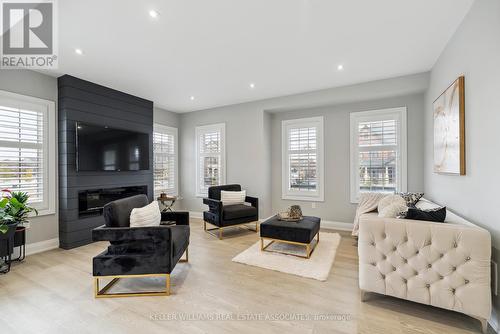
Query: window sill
(43, 212)
(303, 198)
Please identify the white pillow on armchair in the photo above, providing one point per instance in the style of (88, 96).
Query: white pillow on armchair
(233, 197)
(148, 215)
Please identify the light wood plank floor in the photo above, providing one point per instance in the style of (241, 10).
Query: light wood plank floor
(52, 292)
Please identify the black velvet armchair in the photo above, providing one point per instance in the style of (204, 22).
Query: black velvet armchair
(230, 215)
(150, 251)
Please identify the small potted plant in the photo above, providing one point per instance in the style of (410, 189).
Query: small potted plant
(14, 214)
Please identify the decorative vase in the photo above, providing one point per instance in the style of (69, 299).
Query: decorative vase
(295, 212)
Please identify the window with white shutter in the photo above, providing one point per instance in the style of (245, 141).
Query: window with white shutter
(27, 148)
(165, 162)
(303, 159)
(210, 157)
(378, 151)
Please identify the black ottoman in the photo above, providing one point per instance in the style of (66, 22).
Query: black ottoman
(297, 233)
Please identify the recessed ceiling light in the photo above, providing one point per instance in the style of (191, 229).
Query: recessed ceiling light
(340, 67)
(154, 14)
(252, 85)
(79, 51)
(191, 98)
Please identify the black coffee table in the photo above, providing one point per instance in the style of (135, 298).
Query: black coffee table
(296, 233)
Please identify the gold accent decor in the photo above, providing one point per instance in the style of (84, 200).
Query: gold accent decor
(309, 249)
(449, 129)
(221, 229)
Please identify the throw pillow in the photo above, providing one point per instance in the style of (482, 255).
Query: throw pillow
(388, 200)
(411, 198)
(392, 211)
(148, 215)
(233, 197)
(432, 215)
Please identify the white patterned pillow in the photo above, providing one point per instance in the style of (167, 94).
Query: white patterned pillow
(391, 206)
(411, 198)
(148, 215)
(233, 197)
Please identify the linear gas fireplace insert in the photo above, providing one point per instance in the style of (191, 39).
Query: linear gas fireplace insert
(91, 202)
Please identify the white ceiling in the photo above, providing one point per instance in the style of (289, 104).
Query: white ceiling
(213, 49)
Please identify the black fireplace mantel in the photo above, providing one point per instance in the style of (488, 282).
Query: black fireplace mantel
(83, 101)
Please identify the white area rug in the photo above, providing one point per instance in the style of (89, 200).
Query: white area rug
(317, 267)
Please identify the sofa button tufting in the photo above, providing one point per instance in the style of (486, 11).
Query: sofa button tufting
(453, 268)
(468, 258)
(441, 255)
(393, 268)
(404, 280)
(372, 243)
(429, 265)
(466, 281)
(417, 251)
(384, 257)
(384, 236)
(455, 245)
(406, 239)
(373, 264)
(453, 291)
(405, 260)
(383, 276)
(394, 249)
(427, 285)
(441, 277)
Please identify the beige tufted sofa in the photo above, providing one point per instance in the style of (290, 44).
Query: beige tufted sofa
(445, 265)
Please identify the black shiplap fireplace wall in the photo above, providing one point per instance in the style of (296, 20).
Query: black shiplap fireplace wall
(80, 100)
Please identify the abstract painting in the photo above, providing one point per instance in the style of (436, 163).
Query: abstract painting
(449, 129)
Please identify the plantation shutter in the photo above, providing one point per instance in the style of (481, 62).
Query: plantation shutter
(302, 155)
(22, 151)
(210, 160)
(378, 155)
(210, 157)
(165, 161)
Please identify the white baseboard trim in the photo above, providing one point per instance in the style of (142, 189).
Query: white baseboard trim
(332, 225)
(196, 214)
(327, 224)
(42, 246)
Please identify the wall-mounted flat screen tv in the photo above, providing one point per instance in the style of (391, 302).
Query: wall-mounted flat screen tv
(103, 148)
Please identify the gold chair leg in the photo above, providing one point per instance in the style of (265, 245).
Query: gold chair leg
(220, 233)
(101, 293)
(96, 287)
(308, 250)
(167, 285)
(261, 244)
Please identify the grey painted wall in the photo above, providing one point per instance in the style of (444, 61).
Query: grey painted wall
(245, 156)
(45, 87)
(165, 117)
(253, 142)
(337, 206)
(473, 51)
